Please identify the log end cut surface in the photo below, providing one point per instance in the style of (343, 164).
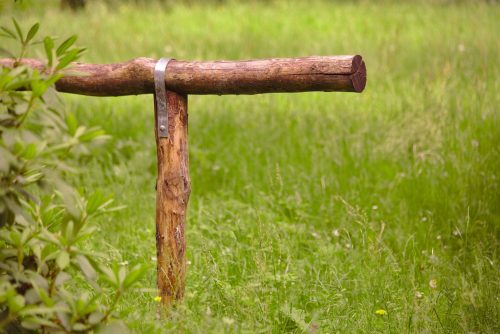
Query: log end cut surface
(359, 78)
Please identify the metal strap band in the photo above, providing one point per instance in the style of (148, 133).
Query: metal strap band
(161, 97)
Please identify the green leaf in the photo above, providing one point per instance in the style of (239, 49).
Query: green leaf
(79, 327)
(91, 134)
(34, 323)
(71, 123)
(61, 278)
(68, 58)
(53, 79)
(69, 231)
(122, 274)
(79, 131)
(48, 44)
(95, 318)
(33, 176)
(15, 238)
(44, 297)
(69, 197)
(33, 310)
(109, 275)
(8, 32)
(18, 83)
(16, 303)
(86, 268)
(66, 45)
(95, 201)
(18, 148)
(18, 29)
(6, 160)
(48, 236)
(26, 234)
(13, 206)
(62, 259)
(85, 232)
(16, 71)
(134, 275)
(36, 248)
(32, 32)
(29, 151)
(38, 87)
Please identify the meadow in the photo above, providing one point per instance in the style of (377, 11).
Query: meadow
(315, 212)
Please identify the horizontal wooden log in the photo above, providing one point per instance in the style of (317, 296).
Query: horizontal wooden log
(332, 73)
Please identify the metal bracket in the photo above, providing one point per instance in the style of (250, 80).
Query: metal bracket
(161, 97)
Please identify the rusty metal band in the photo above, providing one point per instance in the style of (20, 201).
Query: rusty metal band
(161, 97)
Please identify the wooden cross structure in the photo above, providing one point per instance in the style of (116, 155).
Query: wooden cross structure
(175, 80)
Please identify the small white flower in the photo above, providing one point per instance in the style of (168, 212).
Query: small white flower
(336, 233)
(375, 207)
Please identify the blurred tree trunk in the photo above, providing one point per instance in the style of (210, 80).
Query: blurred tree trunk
(73, 4)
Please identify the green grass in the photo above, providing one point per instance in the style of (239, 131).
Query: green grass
(312, 211)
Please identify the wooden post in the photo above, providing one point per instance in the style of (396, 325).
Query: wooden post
(326, 73)
(277, 75)
(173, 187)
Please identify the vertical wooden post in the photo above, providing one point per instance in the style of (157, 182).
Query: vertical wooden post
(173, 187)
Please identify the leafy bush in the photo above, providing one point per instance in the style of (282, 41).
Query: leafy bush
(48, 282)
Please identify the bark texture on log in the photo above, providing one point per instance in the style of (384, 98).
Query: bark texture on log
(173, 187)
(328, 73)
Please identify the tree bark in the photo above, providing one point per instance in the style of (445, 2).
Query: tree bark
(173, 187)
(335, 73)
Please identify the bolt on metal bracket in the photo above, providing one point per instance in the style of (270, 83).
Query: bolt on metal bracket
(161, 97)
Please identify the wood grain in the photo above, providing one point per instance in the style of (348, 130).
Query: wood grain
(173, 187)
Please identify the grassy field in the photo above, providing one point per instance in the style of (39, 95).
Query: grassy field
(310, 212)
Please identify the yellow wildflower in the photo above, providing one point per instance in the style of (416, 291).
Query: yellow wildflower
(157, 299)
(381, 312)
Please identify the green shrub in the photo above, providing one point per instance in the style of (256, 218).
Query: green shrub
(48, 282)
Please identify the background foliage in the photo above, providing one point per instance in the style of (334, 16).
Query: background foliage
(43, 220)
(311, 212)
